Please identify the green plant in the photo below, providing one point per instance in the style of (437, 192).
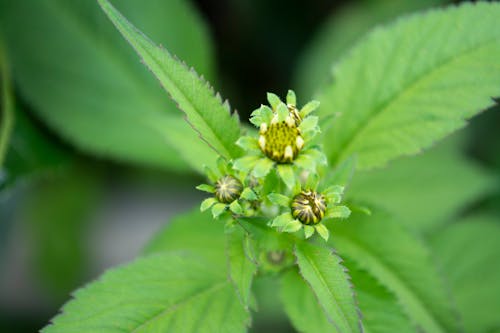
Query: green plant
(290, 199)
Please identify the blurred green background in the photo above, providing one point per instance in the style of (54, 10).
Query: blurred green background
(95, 158)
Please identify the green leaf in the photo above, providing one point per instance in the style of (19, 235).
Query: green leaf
(240, 264)
(83, 81)
(409, 189)
(401, 263)
(204, 110)
(6, 106)
(410, 84)
(193, 232)
(327, 278)
(340, 32)
(379, 308)
(301, 305)
(468, 253)
(168, 292)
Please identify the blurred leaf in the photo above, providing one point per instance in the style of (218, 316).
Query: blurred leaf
(31, 153)
(327, 278)
(88, 86)
(6, 107)
(204, 109)
(426, 190)
(301, 305)
(167, 292)
(340, 32)
(468, 253)
(240, 266)
(194, 232)
(55, 212)
(380, 310)
(401, 263)
(405, 86)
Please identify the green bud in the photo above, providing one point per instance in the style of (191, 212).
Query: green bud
(228, 189)
(309, 207)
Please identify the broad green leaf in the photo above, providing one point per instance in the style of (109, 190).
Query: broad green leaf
(204, 109)
(340, 32)
(401, 263)
(241, 265)
(194, 232)
(327, 278)
(380, 310)
(468, 253)
(6, 106)
(87, 85)
(426, 190)
(412, 83)
(301, 305)
(167, 292)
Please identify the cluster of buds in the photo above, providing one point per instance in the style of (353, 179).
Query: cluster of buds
(285, 148)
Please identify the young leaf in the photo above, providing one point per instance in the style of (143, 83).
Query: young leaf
(468, 253)
(329, 281)
(6, 106)
(167, 292)
(301, 305)
(84, 82)
(410, 84)
(401, 263)
(240, 265)
(204, 109)
(408, 188)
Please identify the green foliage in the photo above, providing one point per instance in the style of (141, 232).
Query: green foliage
(197, 275)
(340, 32)
(54, 212)
(397, 259)
(442, 182)
(88, 86)
(379, 308)
(327, 278)
(301, 305)
(204, 110)
(173, 292)
(468, 253)
(397, 91)
(6, 106)
(241, 263)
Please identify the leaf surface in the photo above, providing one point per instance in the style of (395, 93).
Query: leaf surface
(339, 33)
(401, 263)
(167, 292)
(204, 110)
(327, 278)
(87, 85)
(301, 305)
(424, 191)
(241, 265)
(468, 253)
(412, 83)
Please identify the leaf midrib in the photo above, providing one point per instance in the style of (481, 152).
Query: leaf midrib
(190, 101)
(396, 282)
(402, 92)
